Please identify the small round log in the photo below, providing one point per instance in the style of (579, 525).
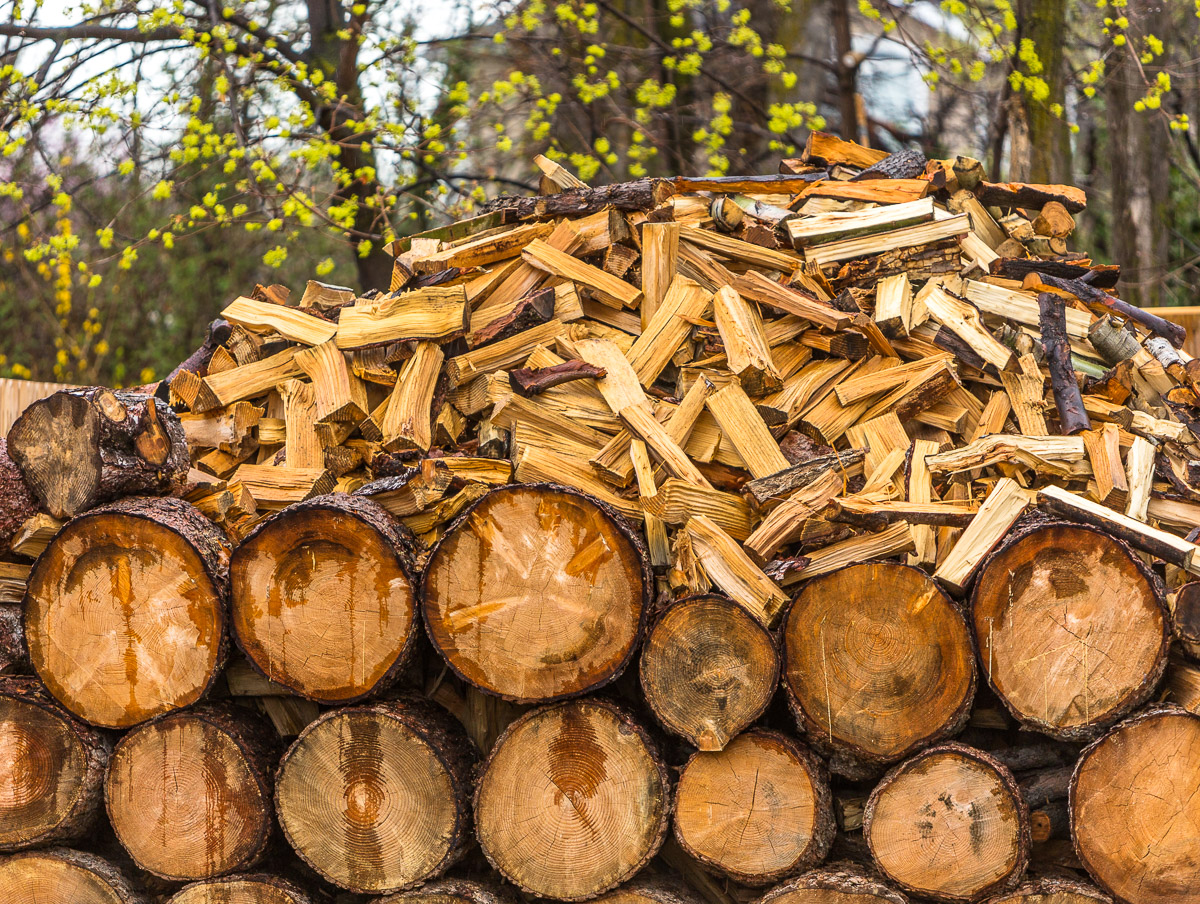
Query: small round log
(1053, 891)
(757, 811)
(837, 883)
(537, 593)
(376, 798)
(80, 447)
(453, 891)
(949, 824)
(125, 610)
(708, 669)
(573, 800)
(323, 599)
(1135, 808)
(647, 890)
(248, 889)
(189, 794)
(51, 769)
(63, 876)
(878, 664)
(1072, 630)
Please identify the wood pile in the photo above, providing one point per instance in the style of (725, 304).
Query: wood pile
(824, 537)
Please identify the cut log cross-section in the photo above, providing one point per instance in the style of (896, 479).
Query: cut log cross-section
(756, 811)
(878, 663)
(1072, 629)
(1053, 891)
(537, 593)
(650, 890)
(838, 883)
(125, 610)
(572, 801)
(63, 876)
(453, 891)
(323, 598)
(1135, 808)
(51, 769)
(949, 824)
(189, 794)
(80, 447)
(377, 798)
(708, 670)
(242, 889)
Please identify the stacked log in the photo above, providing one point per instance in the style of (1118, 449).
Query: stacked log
(780, 539)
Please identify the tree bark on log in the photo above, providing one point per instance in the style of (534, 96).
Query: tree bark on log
(757, 811)
(1053, 891)
(949, 824)
(81, 447)
(537, 592)
(17, 503)
(837, 883)
(453, 891)
(376, 798)
(64, 876)
(572, 801)
(1072, 629)
(14, 655)
(189, 794)
(1134, 812)
(708, 670)
(125, 610)
(51, 769)
(323, 598)
(245, 889)
(878, 663)
(1052, 318)
(652, 890)
(577, 202)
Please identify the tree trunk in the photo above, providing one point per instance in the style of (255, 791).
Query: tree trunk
(17, 504)
(80, 447)
(51, 769)
(62, 876)
(709, 669)
(536, 593)
(323, 598)
(453, 891)
(572, 801)
(1072, 629)
(189, 794)
(879, 664)
(1053, 891)
(252, 889)
(838, 883)
(1043, 22)
(377, 798)
(949, 824)
(1134, 816)
(846, 69)
(125, 610)
(757, 811)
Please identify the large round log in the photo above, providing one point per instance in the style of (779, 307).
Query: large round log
(453, 891)
(189, 794)
(757, 811)
(572, 801)
(246, 889)
(1135, 808)
(838, 883)
(323, 598)
(63, 876)
(51, 769)
(376, 798)
(1072, 630)
(1053, 891)
(708, 669)
(949, 824)
(125, 610)
(878, 664)
(80, 447)
(537, 593)
(16, 500)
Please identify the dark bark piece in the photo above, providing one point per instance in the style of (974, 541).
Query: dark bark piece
(377, 798)
(652, 890)
(1072, 629)
(949, 824)
(709, 670)
(51, 769)
(453, 891)
(1096, 299)
(802, 474)
(837, 883)
(1053, 891)
(630, 196)
(572, 801)
(1185, 612)
(125, 610)
(1135, 808)
(64, 876)
(324, 598)
(17, 503)
(242, 889)
(946, 338)
(1052, 319)
(217, 335)
(906, 164)
(80, 447)
(878, 663)
(756, 811)
(531, 381)
(533, 310)
(1102, 276)
(14, 654)
(537, 592)
(1020, 194)
(189, 794)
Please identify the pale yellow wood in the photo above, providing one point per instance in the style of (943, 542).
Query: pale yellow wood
(290, 323)
(503, 353)
(728, 566)
(436, 312)
(907, 237)
(660, 253)
(406, 421)
(684, 302)
(605, 287)
(251, 380)
(743, 426)
(747, 351)
(340, 396)
(1139, 475)
(920, 490)
(998, 513)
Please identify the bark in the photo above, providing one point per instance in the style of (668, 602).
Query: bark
(845, 69)
(14, 654)
(453, 891)
(1053, 891)
(534, 309)
(531, 381)
(17, 503)
(906, 164)
(833, 884)
(1044, 22)
(626, 196)
(650, 890)
(802, 474)
(243, 889)
(65, 875)
(1052, 320)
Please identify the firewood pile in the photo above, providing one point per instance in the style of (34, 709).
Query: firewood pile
(816, 538)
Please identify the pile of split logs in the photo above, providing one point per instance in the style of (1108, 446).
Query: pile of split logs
(817, 538)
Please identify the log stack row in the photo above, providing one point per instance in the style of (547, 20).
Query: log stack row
(814, 538)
